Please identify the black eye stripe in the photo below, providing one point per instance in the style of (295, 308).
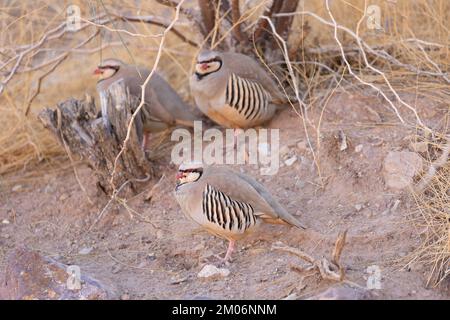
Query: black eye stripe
(109, 67)
(210, 60)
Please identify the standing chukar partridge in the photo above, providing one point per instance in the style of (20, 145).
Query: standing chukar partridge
(228, 204)
(163, 107)
(234, 90)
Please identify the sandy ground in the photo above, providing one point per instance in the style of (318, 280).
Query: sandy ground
(153, 252)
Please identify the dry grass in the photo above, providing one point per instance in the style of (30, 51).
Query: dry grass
(23, 140)
(432, 217)
(433, 221)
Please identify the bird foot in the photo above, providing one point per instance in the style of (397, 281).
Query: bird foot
(222, 261)
(216, 260)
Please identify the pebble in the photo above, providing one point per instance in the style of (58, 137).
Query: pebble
(63, 197)
(17, 187)
(289, 162)
(359, 148)
(284, 150)
(210, 271)
(86, 250)
(302, 145)
(5, 221)
(358, 207)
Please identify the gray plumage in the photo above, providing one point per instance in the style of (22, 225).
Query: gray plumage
(163, 107)
(235, 91)
(228, 203)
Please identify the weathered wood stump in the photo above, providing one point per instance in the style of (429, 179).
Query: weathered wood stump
(98, 137)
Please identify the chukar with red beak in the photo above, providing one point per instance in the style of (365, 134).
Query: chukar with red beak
(233, 90)
(226, 203)
(163, 107)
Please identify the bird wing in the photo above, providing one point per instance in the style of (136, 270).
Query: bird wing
(171, 101)
(246, 67)
(243, 188)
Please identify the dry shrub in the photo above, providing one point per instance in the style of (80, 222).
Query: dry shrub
(433, 221)
(24, 142)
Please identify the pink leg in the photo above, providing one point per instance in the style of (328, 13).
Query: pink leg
(230, 249)
(145, 140)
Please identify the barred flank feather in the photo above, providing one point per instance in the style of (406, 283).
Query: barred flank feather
(249, 98)
(225, 212)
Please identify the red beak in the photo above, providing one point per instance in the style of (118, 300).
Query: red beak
(98, 71)
(179, 175)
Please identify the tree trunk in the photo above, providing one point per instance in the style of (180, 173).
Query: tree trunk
(99, 139)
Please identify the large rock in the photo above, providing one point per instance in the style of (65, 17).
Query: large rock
(31, 276)
(400, 167)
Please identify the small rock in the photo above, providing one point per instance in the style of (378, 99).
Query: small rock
(400, 167)
(419, 146)
(210, 271)
(49, 189)
(395, 205)
(17, 187)
(63, 197)
(359, 148)
(302, 145)
(5, 221)
(125, 296)
(268, 171)
(116, 269)
(284, 150)
(159, 234)
(86, 250)
(342, 138)
(292, 296)
(358, 207)
(31, 276)
(289, 162)
(178, 280)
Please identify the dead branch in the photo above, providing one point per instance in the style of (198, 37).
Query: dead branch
(283, 24)
(326, 269)
(158, 22)
(208, 14)
(129, 134)
(236, 16)
(42, 77)
(76, 125)
(192, 15)
(261, 28)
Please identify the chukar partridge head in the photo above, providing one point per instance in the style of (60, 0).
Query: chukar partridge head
(108, 68)
(226, 203)
(233, 89)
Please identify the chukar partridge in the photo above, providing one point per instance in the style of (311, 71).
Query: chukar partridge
(163, 107)
(233, 90)
(228, 204)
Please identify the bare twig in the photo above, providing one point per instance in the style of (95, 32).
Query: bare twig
(208, 14)
(236, 15)
(324, 267)
(42, 77)
(261, 28)
(144, 85)
(282, 24)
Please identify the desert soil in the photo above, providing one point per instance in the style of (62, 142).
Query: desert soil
(151, 251)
